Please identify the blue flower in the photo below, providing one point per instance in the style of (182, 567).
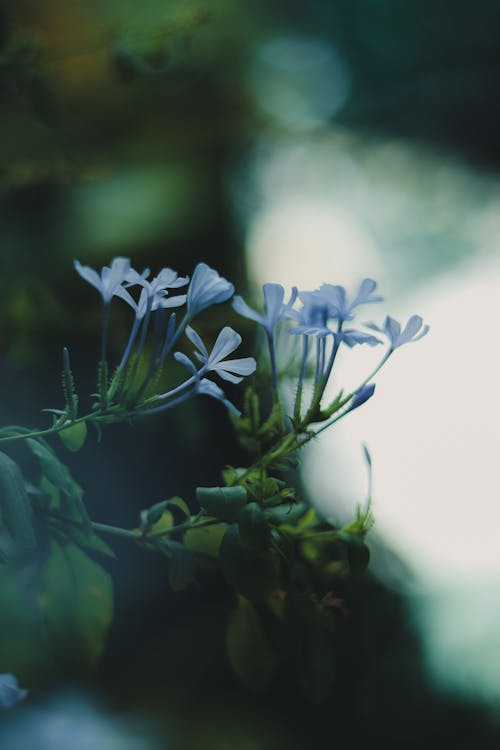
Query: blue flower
(361, 396)
(338, 306)
(274, 307)
(206, 288)
(153, 293)
(413, 331)
(350, 336)
(227, 341)
(149, 301)
(166, 279)
(313, 315)
(205, 387)
(10, 692)
(110, 279)
(313, 320)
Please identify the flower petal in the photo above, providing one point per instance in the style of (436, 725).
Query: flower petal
(241, 307)
(195, 339)
(351, 337)
(242, 366)
(208, 388)
(364, 295)
(114, 276)
(207, 288)
(125, 295)
(227, 341)
(228, 375)
(183, 360)
(91, 276)
(176, 301)
(273, 295)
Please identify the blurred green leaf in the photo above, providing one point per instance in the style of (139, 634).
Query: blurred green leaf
(224, 503)
(254, 529)
(205, 541)
(253, 574)
(74, 437)
(71, 506)
(23, 643)
(76, 600)
(178, 506)
(248, 649)
(181, 566)
(55, 471)
(15, 508)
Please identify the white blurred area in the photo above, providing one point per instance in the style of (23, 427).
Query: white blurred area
(333, 207)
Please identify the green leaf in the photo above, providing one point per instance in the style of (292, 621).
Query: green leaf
(71, 505)
(15, 507)
(181, 566)
(53, 495)
(248, 649)
(76, 600)
(308, 520)
(253, 574)
(55, 471)
(205, 541)
(254, 529)
(231, 475)
(153, 514)
(23, 645)
(224, 503)
(97, 544)
(178, 506)
(287, 513)
(74, 436)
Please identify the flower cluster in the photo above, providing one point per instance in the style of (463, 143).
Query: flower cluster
(320, 321)
(153, 301)
(323, 321)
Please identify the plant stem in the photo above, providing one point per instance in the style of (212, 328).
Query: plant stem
(104, 528)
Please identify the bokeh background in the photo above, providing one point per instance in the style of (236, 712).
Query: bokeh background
(278, 141)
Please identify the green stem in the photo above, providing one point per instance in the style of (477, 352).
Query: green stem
(42, 433)
(183, 527)
(91, 417)
(104, 528)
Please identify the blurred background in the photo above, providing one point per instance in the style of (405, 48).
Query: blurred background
(294, 142)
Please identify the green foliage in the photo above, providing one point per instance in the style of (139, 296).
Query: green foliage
(166, 509)
(63, 508)
(205, 541)
(76, 600)
(15, 508)
(249, 651)
(223, 503)
(254, 528)
(253, 573)
(74, 436)
(181, 565)
(23, 643)
(255, 432)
